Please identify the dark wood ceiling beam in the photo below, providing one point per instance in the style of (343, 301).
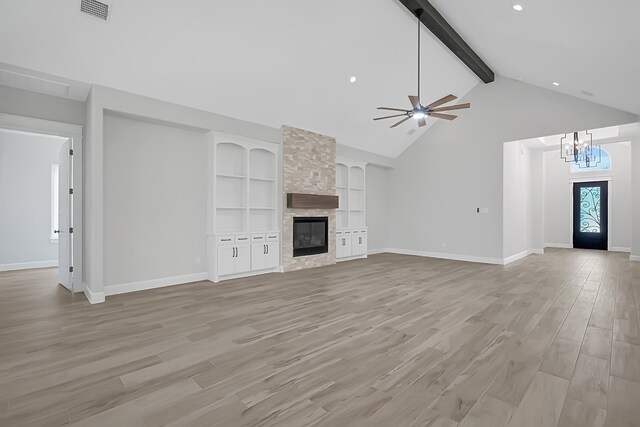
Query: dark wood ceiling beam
(440, 28)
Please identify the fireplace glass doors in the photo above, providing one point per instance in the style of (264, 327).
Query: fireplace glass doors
(310, 235)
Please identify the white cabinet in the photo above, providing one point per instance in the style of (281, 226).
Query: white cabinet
(351, 232)
(233, 256)
(351, 243)
(265, 254)
(243, 205)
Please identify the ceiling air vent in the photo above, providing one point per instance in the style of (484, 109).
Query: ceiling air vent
(95, 8)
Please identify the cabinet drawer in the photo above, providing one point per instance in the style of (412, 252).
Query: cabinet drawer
(272, 237)
(355, 232)
(243, 238)
(363, 231)
(257, 237)
(225, 240)
(346, 232)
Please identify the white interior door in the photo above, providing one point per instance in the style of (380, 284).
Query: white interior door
(65, 246)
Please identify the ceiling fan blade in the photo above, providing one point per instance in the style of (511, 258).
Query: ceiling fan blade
(415, 101)
(392, 109)
(452, 107)
(388, 117)
(442, 116)
(441, 101)
(422, 122)
(400, 122)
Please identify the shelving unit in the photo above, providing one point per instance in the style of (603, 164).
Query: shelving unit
(350, 215)
(244, 205)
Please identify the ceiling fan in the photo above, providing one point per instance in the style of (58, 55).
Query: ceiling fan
(419, 111)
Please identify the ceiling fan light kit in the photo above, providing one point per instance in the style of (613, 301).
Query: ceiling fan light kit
(419, 112)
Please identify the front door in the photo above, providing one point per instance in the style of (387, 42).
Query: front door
(590, 215)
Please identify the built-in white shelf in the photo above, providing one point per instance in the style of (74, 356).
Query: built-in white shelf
(350, 189)
(244, 200)
(222, 175)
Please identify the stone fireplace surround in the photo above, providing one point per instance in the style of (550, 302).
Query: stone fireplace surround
(308, 166)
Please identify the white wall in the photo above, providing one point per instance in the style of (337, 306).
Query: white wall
(25, 199)
(635, 188)
(537, 201)
(558, 197)
(517, 199)
(377, 219)
(457, 166)
(102, 99)
(154, 201)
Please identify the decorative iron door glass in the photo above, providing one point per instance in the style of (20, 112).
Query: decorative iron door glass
(310, 235)
(590, 215)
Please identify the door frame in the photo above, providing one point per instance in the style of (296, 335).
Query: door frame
(75, 133)
(609, 180)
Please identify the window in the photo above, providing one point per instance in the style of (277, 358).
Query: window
(54, 203)
(604, 163)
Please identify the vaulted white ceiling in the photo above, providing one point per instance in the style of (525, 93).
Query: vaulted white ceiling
(270, 62)
(289, 61)
(584, 45)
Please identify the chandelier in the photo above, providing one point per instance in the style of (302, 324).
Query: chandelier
(583, 153)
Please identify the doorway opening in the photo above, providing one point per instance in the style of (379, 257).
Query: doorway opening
(40, 210)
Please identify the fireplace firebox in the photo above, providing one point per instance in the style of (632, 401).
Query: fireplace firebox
(310, 235)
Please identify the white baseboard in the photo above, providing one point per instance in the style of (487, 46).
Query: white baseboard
(559, 245)
(634, 258)
(619, 249)
(521, 255)
(123, 288)
(378, 251)
(213, 278)
(454, 257)
(29, 265)
(351, 258)
(93, 297)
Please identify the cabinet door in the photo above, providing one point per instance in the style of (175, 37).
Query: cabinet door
(359, 244)
(243, 258)
(258, 256)
(344, 248)
(226, 260)
(272, 258)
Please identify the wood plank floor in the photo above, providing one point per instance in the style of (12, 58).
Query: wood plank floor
(552, 340)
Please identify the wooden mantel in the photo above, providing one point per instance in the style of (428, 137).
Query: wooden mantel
(311, 201)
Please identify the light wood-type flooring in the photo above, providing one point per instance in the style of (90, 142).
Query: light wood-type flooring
(392, 341)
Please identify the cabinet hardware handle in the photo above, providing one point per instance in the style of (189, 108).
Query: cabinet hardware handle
(267, 248)
(226, 240)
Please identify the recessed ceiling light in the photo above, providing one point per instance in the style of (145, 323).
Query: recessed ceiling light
(556, 84)
(353, 79)
(518, 7)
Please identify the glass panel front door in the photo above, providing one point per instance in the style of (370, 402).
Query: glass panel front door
(590, 215)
